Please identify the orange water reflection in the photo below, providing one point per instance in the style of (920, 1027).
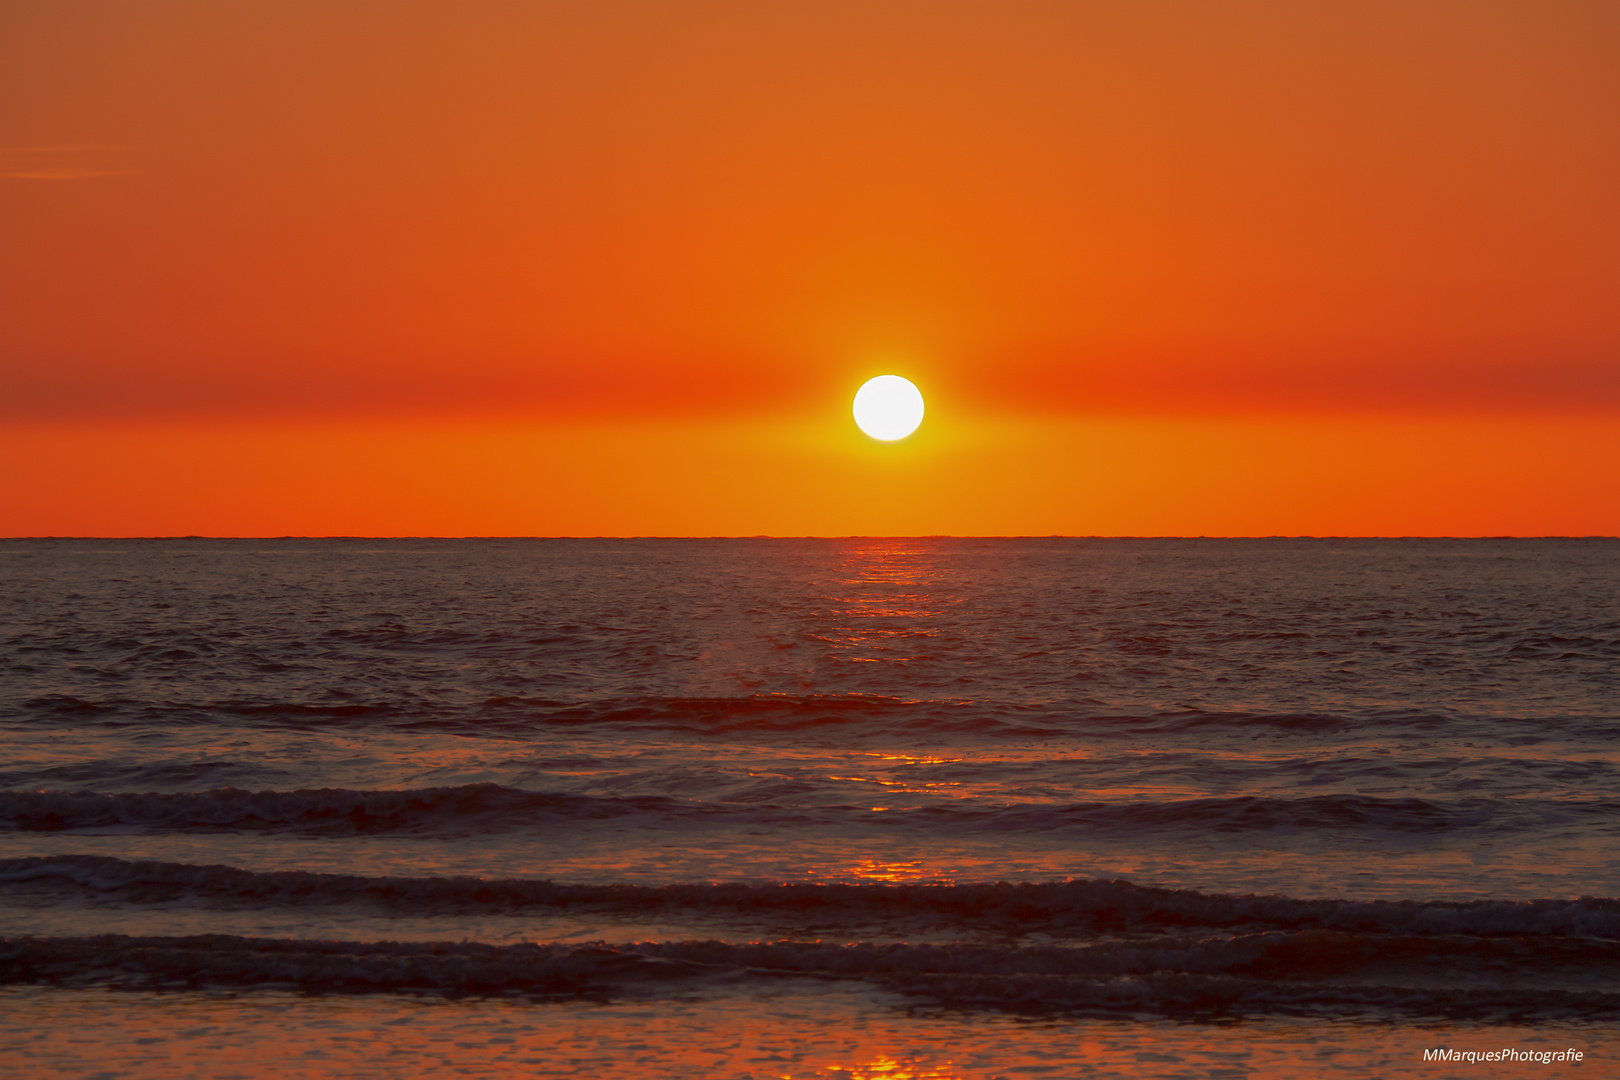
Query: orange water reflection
(884, 1067)
(890, 597)
(911, 872)
(931, 786)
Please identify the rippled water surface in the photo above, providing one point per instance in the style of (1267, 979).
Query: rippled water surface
(357, 740)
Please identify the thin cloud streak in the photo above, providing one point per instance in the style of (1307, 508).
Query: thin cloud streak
(58, 174)
(71, 162)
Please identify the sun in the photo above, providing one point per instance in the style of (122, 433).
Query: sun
(888, 407)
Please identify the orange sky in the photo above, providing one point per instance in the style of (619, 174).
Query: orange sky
(608, 268)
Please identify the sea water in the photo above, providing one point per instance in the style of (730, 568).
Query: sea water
(791, 808)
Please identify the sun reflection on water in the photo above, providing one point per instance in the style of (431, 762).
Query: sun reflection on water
(884, 1067)
(891, 596)
(897, 873)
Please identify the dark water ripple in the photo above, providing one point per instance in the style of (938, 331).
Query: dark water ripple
(440, 629)
(488, 808)
(1113, 948)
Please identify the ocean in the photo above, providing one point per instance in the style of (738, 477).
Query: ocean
(901, 808)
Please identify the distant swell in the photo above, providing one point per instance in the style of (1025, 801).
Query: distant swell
(709, 715)
(489, 808)
(1315, 972)
(1084, 907)
(485, 807)
(852, 713)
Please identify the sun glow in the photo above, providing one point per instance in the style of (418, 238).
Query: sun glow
(888, 407)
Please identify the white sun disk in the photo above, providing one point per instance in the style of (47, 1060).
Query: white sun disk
(888, 407)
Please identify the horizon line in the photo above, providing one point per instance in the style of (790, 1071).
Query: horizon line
(842, 536)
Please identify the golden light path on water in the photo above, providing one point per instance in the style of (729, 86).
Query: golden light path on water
(829, 1034)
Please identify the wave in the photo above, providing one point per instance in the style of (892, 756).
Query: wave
(1075, 907)
(481, 807)
(765, 714)
(753, 713)
(1315, 973)
(714, 716)
(173, 775)
(491, 808)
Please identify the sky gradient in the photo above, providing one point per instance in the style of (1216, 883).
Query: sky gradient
(617, 268)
